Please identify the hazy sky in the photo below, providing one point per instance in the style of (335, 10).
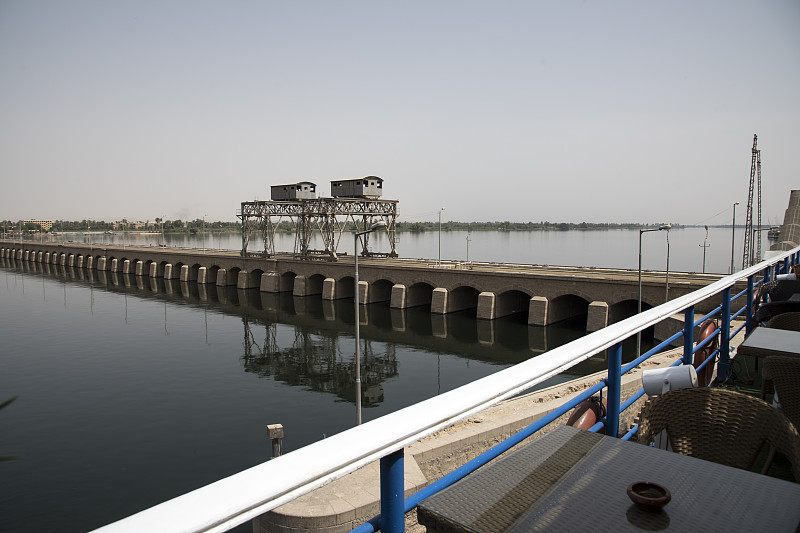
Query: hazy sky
(510, 110)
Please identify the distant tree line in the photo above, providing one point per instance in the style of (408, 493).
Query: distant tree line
(285, 226)
(514, 226)
(418, 227)
(169, 226)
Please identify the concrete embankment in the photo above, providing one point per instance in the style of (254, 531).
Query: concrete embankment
(355, 498)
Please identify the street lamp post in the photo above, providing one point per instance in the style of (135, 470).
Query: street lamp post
(439, 260)
(468, 239)
(356, 235)
(733, 233)
(666, 296)
(639, 333)
(204, 233)
(704, 246)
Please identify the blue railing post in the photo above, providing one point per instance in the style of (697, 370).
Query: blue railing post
(724, 342)
(688, 335)
(786, 265)
(749, 323)
(392, 515)
(614, 384)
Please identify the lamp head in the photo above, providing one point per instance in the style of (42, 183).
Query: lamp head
(660, 228)
(661, 380)
(377, 225)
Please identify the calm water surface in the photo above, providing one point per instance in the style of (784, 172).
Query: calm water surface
(612, 248)
(132, 391)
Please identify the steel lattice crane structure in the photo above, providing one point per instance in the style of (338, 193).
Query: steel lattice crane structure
(752, 233)
(328, 216)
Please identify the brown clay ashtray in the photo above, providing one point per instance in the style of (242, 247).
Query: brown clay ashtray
(648, 496)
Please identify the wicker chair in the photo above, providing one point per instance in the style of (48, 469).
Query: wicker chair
(782, 373)
(790, 321)
(772, 299)
(719, 425)
(782, 290)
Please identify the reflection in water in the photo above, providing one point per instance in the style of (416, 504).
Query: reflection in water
(318, 354)
(316, 362)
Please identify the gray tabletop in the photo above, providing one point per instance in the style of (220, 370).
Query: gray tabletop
(763, 342)
(573, 480)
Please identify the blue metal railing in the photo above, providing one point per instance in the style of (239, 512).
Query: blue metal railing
(722, 334)
(243, 496)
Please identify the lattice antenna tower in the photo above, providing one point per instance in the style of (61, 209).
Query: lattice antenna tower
(752, 233)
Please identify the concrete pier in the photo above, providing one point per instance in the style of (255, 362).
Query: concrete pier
(486, 306)
(598, 316)
(202, 276)
(270, 282)
(188, 274)
(170, 272)
(537, 312)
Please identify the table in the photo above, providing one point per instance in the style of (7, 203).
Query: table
(574, 480)
(763, 342)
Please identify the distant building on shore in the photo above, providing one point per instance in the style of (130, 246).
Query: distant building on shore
(120, 224)
(45, 224)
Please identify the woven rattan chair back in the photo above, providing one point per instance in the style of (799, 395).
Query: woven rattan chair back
(782, 290)
(782, 373)
(719, 425)
(790, 321)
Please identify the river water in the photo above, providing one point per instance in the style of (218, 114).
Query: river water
(131, 391)
(598, 248)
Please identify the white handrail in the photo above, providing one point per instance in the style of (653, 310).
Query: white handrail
(243, 496)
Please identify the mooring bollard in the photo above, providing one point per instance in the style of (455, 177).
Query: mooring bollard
(275, 432)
